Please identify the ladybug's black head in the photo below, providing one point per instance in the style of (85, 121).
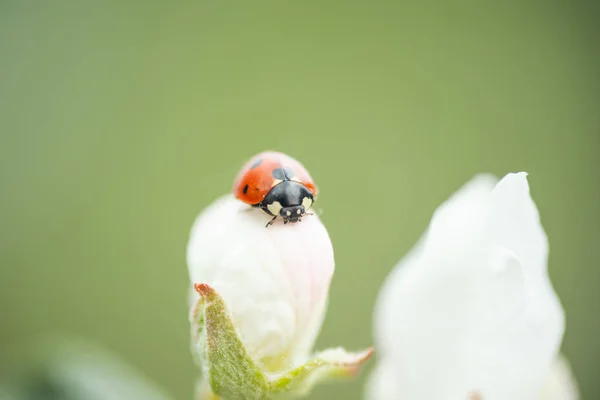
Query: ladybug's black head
(292, 214)
(289, 200)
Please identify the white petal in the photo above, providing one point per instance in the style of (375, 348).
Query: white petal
(469, 200)
(274, 280)
(423, 307)
(560, 383)
(523, 319)
(464, 313)
(517, 223)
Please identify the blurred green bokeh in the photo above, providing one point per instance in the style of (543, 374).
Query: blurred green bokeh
(120, 121)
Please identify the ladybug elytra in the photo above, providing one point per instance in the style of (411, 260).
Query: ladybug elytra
(277, 184)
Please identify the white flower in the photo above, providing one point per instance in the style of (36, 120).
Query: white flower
(259, 302)
(470, 312)
(274, 280)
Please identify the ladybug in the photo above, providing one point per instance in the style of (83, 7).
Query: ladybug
(277, 184)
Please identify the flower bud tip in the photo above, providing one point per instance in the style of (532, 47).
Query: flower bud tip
(204, 289)
(354, 369)
(362, 358)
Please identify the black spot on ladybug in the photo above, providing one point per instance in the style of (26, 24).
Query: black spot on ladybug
(283, 174)
(278, 174)
(256, 163)
(245, 189)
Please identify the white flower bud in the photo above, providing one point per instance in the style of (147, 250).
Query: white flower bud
(274, 280)
(471, 312)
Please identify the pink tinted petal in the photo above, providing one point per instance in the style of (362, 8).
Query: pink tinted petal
(274, 280)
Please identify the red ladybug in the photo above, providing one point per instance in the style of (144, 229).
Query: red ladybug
(277, 184)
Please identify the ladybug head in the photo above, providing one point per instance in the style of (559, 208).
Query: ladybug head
(289, 200)
(292, 214)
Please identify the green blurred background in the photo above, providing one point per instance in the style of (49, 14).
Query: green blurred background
(120, 121)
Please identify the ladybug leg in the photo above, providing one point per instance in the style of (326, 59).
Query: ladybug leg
(270, 222)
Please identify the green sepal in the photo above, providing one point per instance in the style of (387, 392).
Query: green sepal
(231, 374)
